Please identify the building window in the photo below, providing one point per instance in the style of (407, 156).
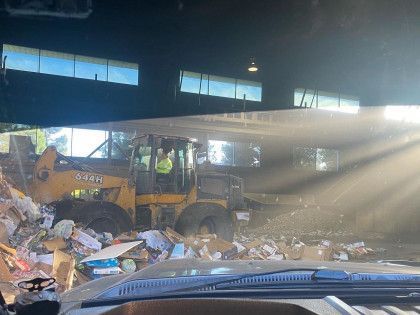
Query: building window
(85, 141)
(197, 83)
(21, 58)
(123, 72)
(69, 65)
(403, 113)
(230, 153)
(121, 141)
(51, 62)
(248, 90)
(326, 101)
(221, 86)
(318, 159)
(90, 68)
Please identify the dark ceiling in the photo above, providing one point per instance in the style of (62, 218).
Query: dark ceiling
(368, 48)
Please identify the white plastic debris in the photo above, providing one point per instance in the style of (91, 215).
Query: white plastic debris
(275, 257)
(190, 253)
(86, 240)
(155, 240)
(48, 221)
(64, 228)
(239, 246)
(10, 226)
(269, 249)
(26, 206)
(342, 256)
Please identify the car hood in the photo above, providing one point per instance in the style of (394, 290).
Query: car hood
(195, 267)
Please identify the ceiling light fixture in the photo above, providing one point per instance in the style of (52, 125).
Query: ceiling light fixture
(252, 67)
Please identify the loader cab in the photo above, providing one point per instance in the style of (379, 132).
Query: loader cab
(149, 150)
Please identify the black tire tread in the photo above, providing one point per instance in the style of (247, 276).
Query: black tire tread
(190, 219)
(87, 211)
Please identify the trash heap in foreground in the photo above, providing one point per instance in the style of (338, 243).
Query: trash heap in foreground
(33, 244)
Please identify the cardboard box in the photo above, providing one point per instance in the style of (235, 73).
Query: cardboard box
(227, 249)
(295, 251)
(316, 253)
(282, 246)
(142, 255)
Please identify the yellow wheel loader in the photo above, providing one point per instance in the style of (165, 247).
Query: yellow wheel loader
(183, 199)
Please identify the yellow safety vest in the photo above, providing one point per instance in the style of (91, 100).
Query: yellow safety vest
(164, 166)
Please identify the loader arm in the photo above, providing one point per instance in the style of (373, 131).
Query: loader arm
(54, 180)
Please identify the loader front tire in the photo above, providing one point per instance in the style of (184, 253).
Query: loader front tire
(101, 216)
(205, 218)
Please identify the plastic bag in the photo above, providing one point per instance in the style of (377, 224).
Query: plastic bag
(64, 228)
(26, 206)
(128, 265)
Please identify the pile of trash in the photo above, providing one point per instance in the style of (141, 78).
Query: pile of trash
(31, 246)
(306, 223)
(264, 248)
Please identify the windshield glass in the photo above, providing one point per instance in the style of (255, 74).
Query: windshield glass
(288, 133)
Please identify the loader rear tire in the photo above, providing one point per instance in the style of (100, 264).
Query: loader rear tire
(101, 216)
(205, 218)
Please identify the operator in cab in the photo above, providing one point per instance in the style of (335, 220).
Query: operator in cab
(163, 169)
(164, 165)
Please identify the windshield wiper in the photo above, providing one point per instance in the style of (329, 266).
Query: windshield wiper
(315, 275)
(149, 287)
(143, 288)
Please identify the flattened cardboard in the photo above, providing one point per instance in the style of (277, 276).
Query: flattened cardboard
(5, 274)
(173, 236)
(112, 251)
(227, 249)
(136, 255)
(63, 269)
(4, 237)
(55, 243)
(44, 267)
(81, 278)
(253, 244)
